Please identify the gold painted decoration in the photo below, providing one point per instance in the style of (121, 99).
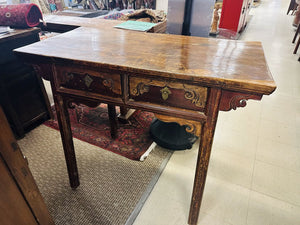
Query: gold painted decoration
(69, 77)
(197, 95)
(140, 89)
(191, 126)
(108, 83)
(72, 78)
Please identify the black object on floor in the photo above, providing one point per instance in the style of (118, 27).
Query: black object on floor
(171, 135)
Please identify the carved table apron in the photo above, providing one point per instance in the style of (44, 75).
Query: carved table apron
(179, 78)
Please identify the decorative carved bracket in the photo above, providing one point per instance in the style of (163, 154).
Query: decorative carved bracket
(192, 126)
(232, 100)
(71, 102)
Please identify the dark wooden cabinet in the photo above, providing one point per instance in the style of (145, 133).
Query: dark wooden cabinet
(22, 94)
(20, 200)
(234, 14)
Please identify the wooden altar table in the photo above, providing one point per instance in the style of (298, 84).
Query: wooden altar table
(179, 78)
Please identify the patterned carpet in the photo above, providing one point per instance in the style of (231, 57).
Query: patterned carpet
(112, 187)
(92, 125)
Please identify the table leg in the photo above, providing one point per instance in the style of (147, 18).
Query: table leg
(112, 115)
(297, 46)
(67, 140)
(123, 117)
(296, 33)
(208, 129)
(123, 110)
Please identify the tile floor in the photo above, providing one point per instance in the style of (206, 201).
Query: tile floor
(254, 172)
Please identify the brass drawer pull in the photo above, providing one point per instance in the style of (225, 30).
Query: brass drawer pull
(165, 92)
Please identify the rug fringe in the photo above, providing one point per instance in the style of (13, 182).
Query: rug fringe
(145, 155)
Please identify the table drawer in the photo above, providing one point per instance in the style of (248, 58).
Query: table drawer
(167, 93)
(108, 84)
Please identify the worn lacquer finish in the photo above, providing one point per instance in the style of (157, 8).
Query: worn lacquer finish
(179, 78)
(227, 64)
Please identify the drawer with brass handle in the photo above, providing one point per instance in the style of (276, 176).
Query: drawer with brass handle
(167, 93)
(98, 82)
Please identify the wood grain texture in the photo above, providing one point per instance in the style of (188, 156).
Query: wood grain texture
(13, 207)
(207, 135)
(63, 120)
(23, 181)
(228, 64)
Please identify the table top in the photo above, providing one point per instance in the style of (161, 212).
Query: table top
(81, 21)
(17, 33)
(228, 64)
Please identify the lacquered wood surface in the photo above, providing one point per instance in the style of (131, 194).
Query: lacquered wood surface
(81, 21)
(17, 33)
(61, 24)
(228, 64)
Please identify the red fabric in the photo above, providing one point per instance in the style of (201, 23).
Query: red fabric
(20, 16)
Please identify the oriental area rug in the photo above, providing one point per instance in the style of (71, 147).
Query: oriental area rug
(92, 125)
